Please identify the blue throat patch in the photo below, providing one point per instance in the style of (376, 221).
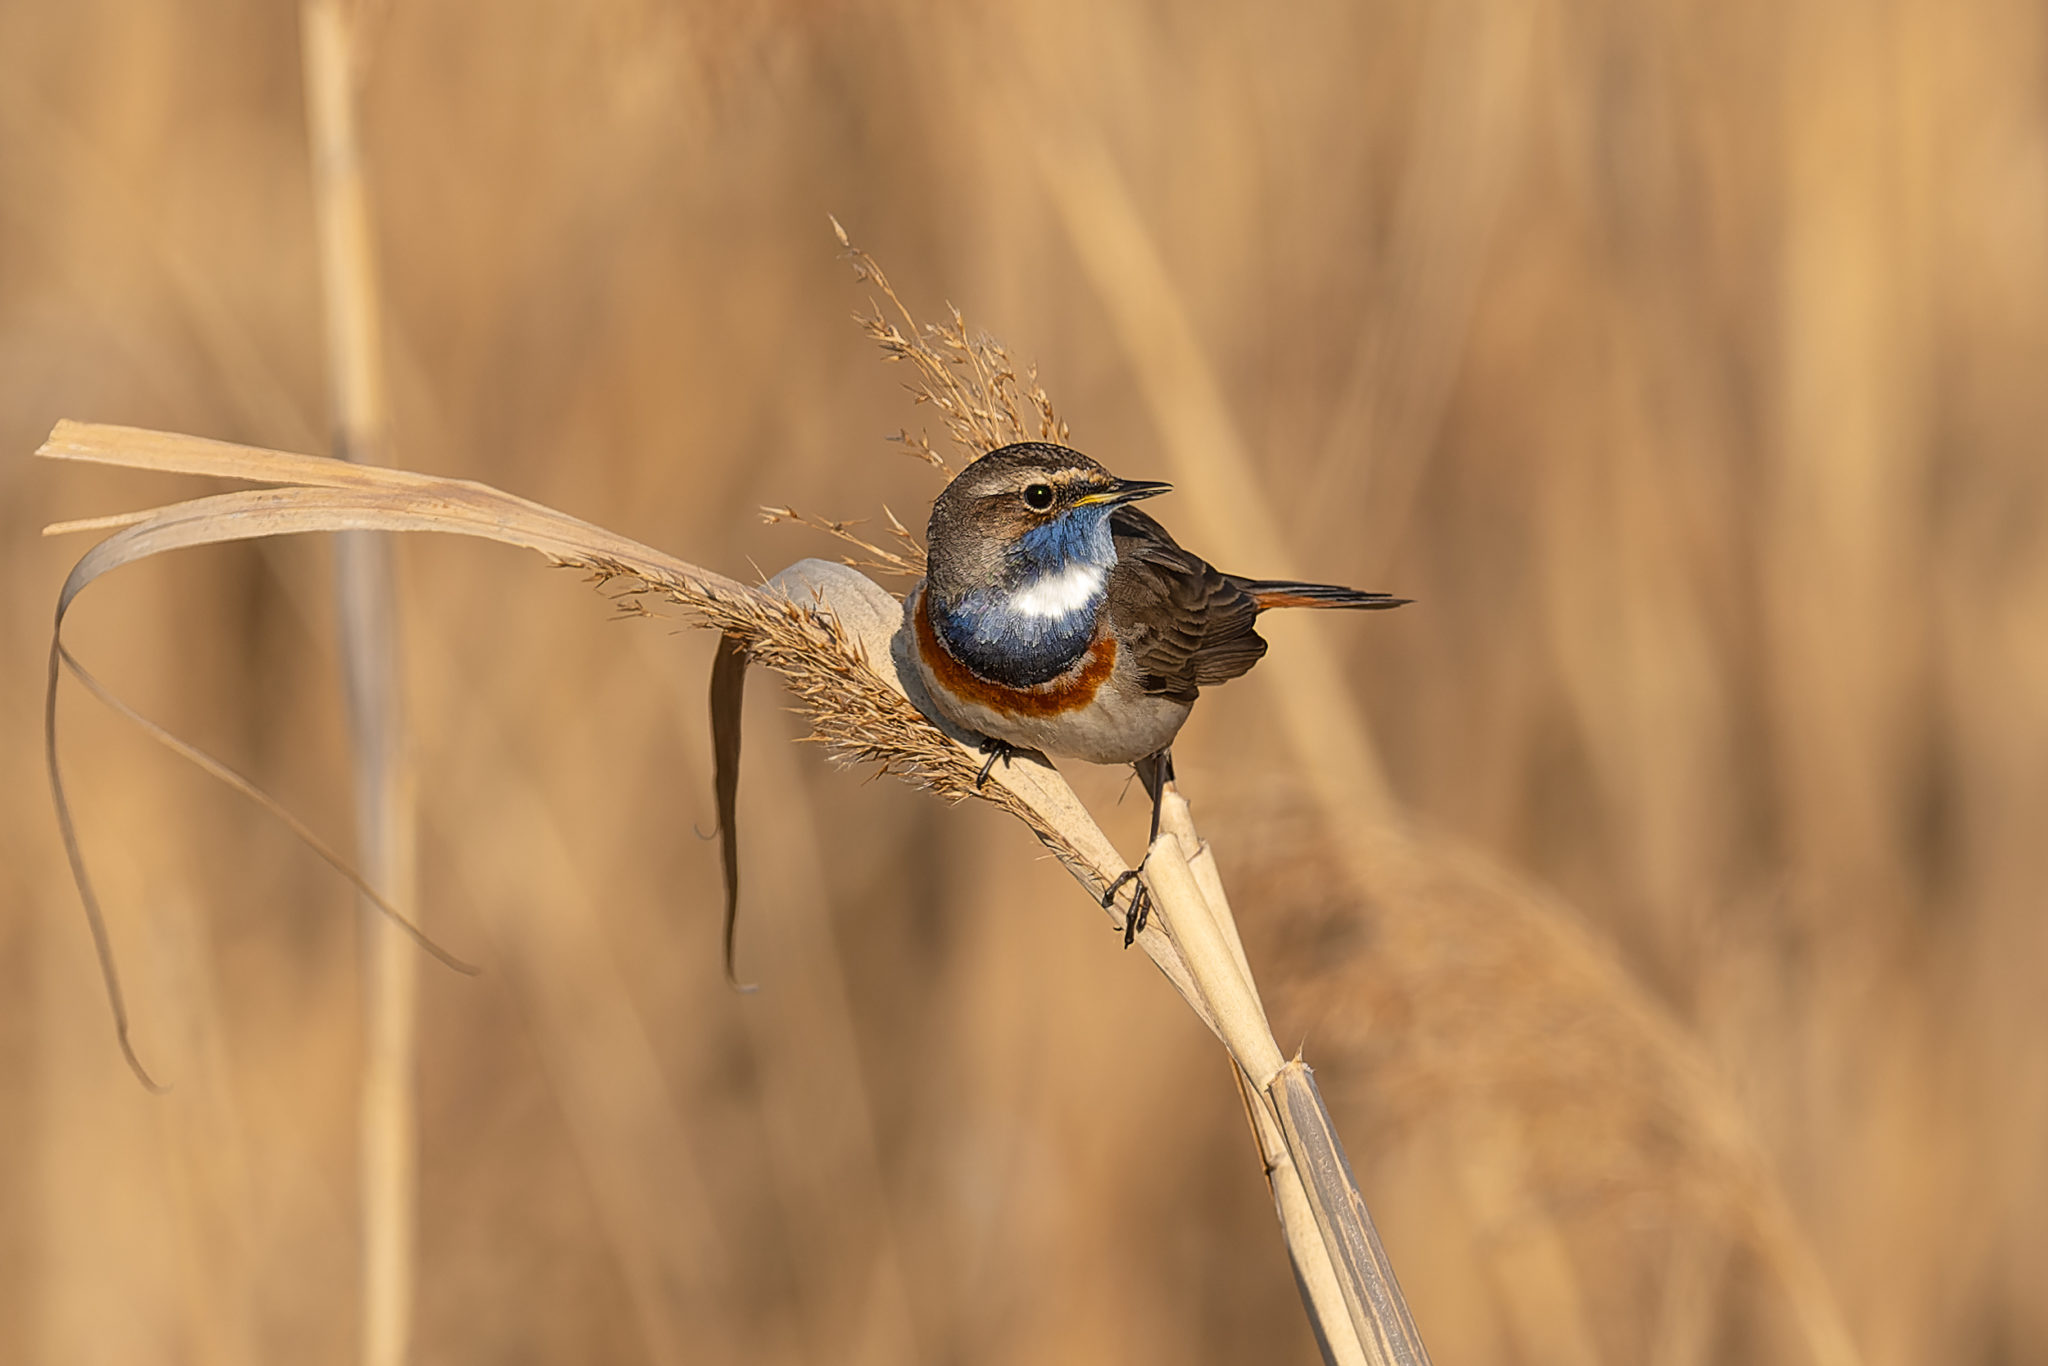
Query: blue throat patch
(1006, 632)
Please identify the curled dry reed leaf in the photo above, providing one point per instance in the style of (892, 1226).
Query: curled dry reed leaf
(803, 638)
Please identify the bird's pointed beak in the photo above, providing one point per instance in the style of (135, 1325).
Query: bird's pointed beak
(1123, 491)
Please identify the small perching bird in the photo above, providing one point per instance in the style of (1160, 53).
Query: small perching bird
(1055, 616)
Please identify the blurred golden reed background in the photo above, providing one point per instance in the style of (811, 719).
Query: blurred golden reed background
(1687, 362)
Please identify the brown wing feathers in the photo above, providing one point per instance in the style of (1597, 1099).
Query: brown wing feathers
(1187, 624)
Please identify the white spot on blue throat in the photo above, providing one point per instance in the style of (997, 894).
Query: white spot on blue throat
(1059, 595)
(1034, 626)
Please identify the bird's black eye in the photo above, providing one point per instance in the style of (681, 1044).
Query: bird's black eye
(1038, 497)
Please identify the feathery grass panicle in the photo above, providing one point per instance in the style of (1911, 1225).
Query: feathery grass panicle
(908, 561)
(966, 375)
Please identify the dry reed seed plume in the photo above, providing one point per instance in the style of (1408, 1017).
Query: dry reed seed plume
(967, 376)
(909, 562)
(852, 711)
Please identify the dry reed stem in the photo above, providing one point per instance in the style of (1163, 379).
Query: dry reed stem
(852, 707)
(387, 816)
(836, 638)
(1342, 1270)
(1379, 1312)
(1223, 984)
(1315, 1269)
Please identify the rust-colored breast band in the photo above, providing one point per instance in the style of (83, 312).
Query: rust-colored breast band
(1069, 692)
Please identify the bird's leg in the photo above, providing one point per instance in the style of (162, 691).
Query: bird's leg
(1155, 771)
(995, 749)
(1141, 902)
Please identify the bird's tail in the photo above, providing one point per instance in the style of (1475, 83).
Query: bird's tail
(1280, 593)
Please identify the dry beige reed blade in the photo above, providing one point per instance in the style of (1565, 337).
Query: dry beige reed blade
(800, 627)
(834, 635)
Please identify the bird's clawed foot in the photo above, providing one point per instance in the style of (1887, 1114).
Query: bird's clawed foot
(995, 749)
(1141, 902)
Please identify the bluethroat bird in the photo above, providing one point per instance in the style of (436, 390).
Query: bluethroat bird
(1056, 616)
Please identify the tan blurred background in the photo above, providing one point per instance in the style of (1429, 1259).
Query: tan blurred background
(1687, 362)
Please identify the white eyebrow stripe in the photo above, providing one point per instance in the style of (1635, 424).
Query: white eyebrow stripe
(1058, 595)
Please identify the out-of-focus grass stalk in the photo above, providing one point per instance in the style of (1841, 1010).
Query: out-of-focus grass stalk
(386, 822)
(1462, 155)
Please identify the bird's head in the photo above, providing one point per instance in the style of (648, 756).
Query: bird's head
(1023, 511)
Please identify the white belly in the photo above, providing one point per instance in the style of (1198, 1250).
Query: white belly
(1117, 728)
